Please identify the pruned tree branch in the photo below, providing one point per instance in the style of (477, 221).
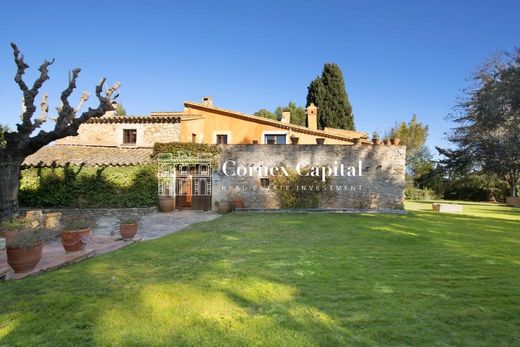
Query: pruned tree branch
(29, 95)
(67, 122)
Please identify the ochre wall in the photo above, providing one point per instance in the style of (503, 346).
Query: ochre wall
(205, 125)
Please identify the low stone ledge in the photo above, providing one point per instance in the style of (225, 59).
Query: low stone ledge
(447, 208)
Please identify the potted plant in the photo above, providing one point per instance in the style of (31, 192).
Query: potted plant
(320, 140)
(128, 227)
(24, 250)
(9, 227)
(376, 140)
(76, 233)
(386, 141)
(395, 141)
(166, 203)
(294, 140)
(358, 141)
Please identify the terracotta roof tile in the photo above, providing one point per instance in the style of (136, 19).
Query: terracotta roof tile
(61, 155)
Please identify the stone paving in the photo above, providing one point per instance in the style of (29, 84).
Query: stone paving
(105, 236)
(155, 224)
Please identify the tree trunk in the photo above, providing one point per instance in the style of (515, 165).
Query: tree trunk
(513, 184)
(9, 183)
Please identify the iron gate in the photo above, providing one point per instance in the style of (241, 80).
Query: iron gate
(187, 178)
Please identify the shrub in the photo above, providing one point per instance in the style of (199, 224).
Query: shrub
(89, 186)
(411, 193)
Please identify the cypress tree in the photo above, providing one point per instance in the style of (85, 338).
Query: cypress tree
(328, 93)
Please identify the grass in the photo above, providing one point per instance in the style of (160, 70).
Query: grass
(288, 279)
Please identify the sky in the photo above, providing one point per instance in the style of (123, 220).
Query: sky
(398, 58)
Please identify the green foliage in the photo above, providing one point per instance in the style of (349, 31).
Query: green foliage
(291, 195)
(266, 114)
(413, 134)
(87, 186)
(298, 114)
(188, 149)
(3, 129)
(120, 110)
(28, 238)
(412, 193)
(328, 93)
(14, 224)
(476, 187)
(488, 132)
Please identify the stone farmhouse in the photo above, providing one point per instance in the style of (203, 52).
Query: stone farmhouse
(128, 140)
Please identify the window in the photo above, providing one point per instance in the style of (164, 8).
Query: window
(129, 136)
(222, 140)
(275, 139)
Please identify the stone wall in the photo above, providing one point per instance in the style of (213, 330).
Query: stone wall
(380, 185)
(112, 134)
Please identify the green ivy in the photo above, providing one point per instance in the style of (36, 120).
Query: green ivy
(188, 149)
(89, 186)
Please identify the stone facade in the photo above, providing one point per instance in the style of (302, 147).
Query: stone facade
(111, 134)
(379, 186)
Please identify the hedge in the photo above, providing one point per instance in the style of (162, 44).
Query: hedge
(89, 186)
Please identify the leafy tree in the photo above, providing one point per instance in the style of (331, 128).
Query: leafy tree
(120, 109)
(265, 113)
(328, 93)
(298, 115)
(2, 140)
(19, 144)
(413, 135)
(487, 137)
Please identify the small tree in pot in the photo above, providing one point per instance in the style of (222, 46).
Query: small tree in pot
(128, 227)
(24, 250)
(76, 233)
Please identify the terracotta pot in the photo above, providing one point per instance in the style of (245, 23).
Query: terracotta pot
(376, 141)
(357, 141)
(8, 235)
(166, 203)
(386, 142)
(294, 140)
(224, 207)
(320, 140)
(35, 218)
(238, 204)
(395, 141)
(75, 240)
(24, 259)
(128, 230)
(255, 142)
(52, 220)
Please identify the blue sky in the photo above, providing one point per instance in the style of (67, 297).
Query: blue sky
(397, 57)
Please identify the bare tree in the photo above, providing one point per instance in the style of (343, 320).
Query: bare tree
(19, 144)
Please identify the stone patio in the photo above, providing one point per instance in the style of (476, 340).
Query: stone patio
(105, 236)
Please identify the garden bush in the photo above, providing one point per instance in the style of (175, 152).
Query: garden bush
(412, 193)
(89, 186)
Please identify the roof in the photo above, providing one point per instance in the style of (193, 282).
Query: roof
(136, 119)
(62, 155)
(296, 128)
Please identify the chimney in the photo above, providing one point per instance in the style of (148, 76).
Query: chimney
(312, 117)
(207, 101)
(286, 117)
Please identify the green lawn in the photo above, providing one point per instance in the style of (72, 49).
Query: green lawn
(288, 279)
